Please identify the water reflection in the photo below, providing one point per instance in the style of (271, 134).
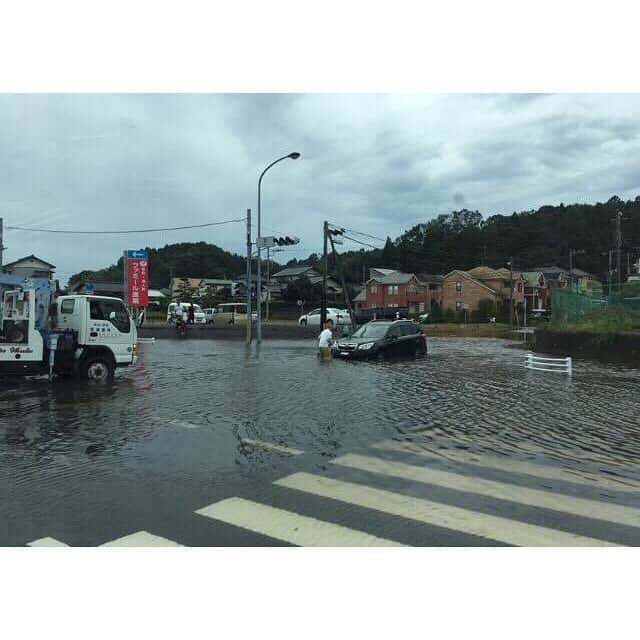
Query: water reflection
(187, 406)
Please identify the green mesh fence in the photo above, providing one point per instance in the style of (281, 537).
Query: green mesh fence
(567, 306)
(618, 312)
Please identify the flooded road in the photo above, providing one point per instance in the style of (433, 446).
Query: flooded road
(200, 423)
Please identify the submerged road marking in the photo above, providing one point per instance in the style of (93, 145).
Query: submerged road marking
(529, 468)
(141, 539)
(185, 425)
(434, 513)
(288, 526)
(583, 507)
(47, 542)
(270, 446)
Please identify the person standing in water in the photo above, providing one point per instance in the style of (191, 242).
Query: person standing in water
(325, 341)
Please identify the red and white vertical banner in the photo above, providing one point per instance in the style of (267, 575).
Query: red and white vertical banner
(137, 278)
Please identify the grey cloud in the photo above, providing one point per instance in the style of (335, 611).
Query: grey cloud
(378, 163)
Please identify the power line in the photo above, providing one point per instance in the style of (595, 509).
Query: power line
(366, 235)
(359, 242)
(192, 226)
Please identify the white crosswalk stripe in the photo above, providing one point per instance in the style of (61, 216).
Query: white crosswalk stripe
(434, 513)
(141, 539)
(288, 526)
(46, 542)
(538, 470)
(137, 539)
(598, 510)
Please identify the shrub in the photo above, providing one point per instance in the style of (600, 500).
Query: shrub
(449, 315)
(486, 309)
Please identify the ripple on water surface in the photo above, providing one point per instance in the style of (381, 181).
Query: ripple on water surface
(186, 406)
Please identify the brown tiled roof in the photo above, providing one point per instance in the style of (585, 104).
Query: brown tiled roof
(486, 273)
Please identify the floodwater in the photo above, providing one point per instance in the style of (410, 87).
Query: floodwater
(176, 425)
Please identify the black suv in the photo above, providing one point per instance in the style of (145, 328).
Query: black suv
(382, 339)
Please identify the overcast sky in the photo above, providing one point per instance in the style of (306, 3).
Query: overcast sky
(374, 163)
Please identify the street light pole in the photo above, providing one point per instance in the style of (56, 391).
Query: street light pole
(293, 156)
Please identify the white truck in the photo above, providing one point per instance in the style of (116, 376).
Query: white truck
(80, 335)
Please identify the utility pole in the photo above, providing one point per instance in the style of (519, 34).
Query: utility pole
(511, 292)
(249, 318)
(344, 285)
(1, 245)
(266, 312)
(325, 268)
(619, 241)
(610, 269)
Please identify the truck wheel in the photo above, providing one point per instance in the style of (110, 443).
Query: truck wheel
(97, 368)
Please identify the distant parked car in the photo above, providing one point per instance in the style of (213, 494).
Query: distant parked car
(337, 316)
(198, 314)
(209, 315)
(380, 339)
(540, 314)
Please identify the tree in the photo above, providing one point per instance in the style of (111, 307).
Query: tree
(302, 289)
(184, 292)
(209, 298)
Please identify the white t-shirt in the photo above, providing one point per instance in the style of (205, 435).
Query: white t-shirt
(325, 338)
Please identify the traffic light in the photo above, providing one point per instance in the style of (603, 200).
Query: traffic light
(285, 240)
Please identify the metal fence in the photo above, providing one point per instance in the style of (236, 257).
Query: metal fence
(568, 306)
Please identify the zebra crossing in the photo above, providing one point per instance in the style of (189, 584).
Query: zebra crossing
(522, 508)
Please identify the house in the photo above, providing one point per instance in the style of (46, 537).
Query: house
(219, 285)
(434, 284)
(583, 282)
(536, 291)
(555, 277)
(30, 267)
(463, 290)
(360, 301)
(289, 274)
(377, 272)
(397, 289)
(110, 289)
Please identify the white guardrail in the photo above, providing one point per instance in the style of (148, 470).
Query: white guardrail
(557, 365)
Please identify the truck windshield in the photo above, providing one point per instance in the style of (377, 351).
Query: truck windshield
(112, 310)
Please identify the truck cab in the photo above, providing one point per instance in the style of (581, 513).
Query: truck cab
(106, 333)
(83, 335)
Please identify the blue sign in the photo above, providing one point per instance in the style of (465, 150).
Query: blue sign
(137, 253)
(89, 287)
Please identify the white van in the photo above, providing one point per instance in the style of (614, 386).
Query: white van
(228, 312)
(198, 313)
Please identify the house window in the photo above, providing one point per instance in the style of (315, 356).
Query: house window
(459, 285)
(519, 287)
(421, 307)
(392, 289)
(373, 289)
(458, 305)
